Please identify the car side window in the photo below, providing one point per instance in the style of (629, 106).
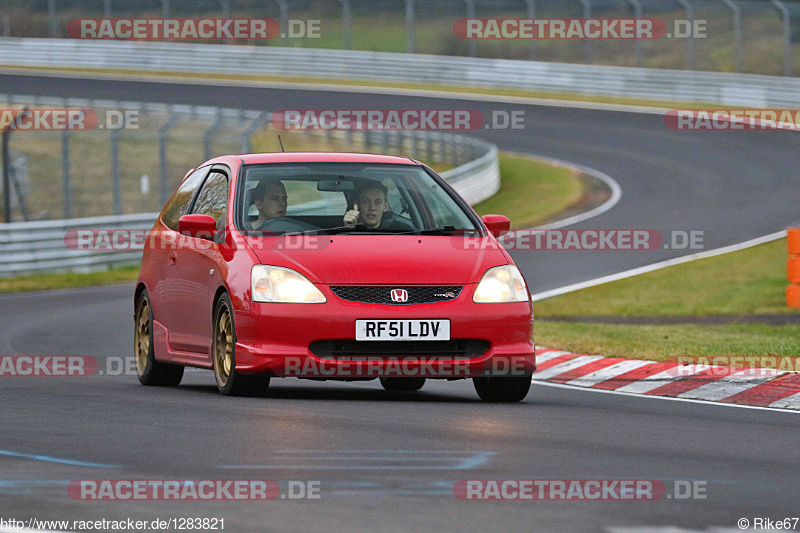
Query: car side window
(213, 198)
(177, 205)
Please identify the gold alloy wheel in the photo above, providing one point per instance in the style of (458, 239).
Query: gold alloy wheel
(142, 336)
(223, 346)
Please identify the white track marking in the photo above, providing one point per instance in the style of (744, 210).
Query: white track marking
(667, 398)
(658, 266)
(655, 381)
(544, 357)
(566, 366)
(608, 372)
(790, 402)
(727, 386)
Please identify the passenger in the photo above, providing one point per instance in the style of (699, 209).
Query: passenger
(270, 199)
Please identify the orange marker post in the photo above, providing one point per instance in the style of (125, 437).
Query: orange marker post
(793, 268)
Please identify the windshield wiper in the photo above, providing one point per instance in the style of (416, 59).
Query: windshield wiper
(356, 226)
(443, 229)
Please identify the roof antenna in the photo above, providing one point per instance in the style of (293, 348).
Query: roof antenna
(280, 141)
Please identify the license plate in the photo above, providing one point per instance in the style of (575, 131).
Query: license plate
(403, 330)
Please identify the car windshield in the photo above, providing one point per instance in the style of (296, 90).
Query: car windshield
(348, 198)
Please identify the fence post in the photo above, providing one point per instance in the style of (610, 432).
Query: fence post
(249, 132)
(690, 55)
(410, 35)
(115, 175)
(65, 166)
(737, 32)
(165, 9)
(638, 46)
(107, 9)
(787, 37)
(210, 133)
(530, 12)
(283, 13)
(587, 43)
(51, 15)
(163, 134)
(6, 177)
(793, 268)
(347, 26)
(473, 44)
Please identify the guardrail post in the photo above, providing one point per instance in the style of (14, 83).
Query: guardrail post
(6, 176)
(115, 173)
(793, 268)
(587, 43)
(165, 8)
(347, 26)
(410, 35)
(107, 9)
(690, 54)
(638, 45)
(473, 44)
(737, 32)
(163, 134)
(787, 37)
(65, 166)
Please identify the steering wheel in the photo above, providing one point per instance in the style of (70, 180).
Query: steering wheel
(286, 225)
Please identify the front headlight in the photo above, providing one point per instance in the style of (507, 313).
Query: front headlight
(279, 284)
(501, 284)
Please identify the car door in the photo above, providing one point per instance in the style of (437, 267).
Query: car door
(192, 273)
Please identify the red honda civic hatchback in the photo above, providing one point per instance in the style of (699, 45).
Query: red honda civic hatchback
(330, 266)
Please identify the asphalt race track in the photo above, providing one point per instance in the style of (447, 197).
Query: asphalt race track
(355, 438)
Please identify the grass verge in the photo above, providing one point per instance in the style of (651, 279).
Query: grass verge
(531, 191)
(68, 280)
(747, 282)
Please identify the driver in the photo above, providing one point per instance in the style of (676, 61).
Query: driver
(371, 196)
(270, 199)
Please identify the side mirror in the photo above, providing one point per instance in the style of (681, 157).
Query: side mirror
(200, 226)
(498, 225)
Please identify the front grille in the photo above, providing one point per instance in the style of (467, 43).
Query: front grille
(382, 294)
(452, 349)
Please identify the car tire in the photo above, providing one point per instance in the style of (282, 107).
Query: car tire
(223, 352)
(150, 371)
(402, 384)
(502, 389)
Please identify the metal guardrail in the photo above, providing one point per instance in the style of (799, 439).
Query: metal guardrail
(656, 84)
(40, 246)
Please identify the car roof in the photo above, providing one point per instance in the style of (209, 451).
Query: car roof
(324, 157)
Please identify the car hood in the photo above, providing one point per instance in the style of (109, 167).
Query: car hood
(381, 259)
